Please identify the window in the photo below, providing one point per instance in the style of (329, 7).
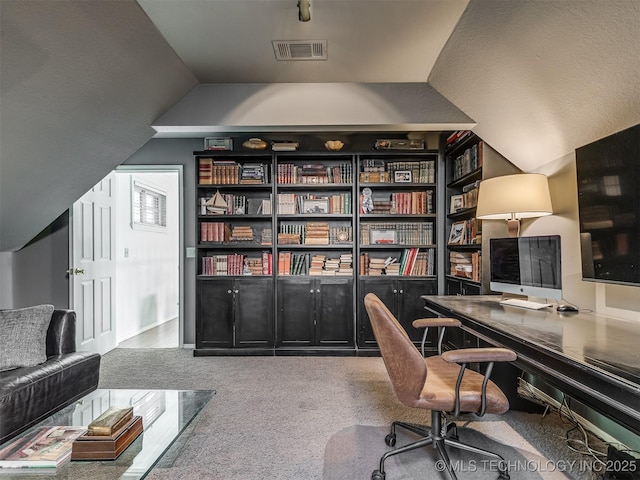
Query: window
(149, 207)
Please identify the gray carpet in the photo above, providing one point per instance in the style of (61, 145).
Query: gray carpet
(295, 417)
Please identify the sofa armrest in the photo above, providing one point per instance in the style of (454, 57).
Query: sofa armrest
(61, 335)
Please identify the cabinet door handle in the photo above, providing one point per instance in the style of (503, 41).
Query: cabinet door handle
(311, 291)
(318, 291)
(395, 291)
(236, 291)
(228, 291)
(401, 291)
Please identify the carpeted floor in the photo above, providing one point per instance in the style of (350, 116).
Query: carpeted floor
(302, 417)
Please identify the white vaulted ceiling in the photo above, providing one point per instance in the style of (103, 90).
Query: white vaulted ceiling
(83, 82)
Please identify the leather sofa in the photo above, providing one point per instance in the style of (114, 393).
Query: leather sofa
(30, 394)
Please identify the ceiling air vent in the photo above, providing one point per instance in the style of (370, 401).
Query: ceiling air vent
(300, 49)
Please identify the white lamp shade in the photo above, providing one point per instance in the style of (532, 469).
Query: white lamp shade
(524, 195)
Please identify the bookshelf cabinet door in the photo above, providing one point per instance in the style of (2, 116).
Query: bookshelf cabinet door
(411, 307)
(215, 313)
(296, 304)
(386, 290)
(334, 312)
(254, 312)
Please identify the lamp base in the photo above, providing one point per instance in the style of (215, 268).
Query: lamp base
(513, 227)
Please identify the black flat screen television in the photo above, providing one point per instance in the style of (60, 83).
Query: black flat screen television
(526, 266)
(608, 173)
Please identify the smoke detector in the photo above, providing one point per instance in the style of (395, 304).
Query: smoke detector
(291, 50)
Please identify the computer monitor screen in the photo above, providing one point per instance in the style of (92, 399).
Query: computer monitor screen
(526, 266)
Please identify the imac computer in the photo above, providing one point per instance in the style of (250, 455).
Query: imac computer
(526, 266)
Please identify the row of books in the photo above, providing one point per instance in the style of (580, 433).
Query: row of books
(290, 173)
(397, 233)
(314, 233)
(456, 137)
(290, 263)
(220, 232)
(292, 203)
(470, 160)
(376, 170)
(402, 203)
(412, 262)
(229, 172)
(236, 264)
(466, 265)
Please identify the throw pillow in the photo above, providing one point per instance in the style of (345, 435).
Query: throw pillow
(23, 336)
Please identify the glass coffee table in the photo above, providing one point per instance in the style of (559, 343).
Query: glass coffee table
(165, 415)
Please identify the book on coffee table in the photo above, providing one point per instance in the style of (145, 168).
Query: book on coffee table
(112, 420)
(43, 447)
(106, 447)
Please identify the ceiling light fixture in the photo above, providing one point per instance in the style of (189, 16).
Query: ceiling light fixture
(304, 10)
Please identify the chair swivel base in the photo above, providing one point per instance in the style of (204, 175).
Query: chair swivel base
(432, 436)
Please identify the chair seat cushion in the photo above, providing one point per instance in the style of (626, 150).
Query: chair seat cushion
(438, 392)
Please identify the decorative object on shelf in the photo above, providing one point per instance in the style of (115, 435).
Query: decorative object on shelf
(399, 144)
(456, 235)
(218, 143)
(402, 176)
(366, 201)
(513, 197)
(216, 205)
(315, 205)
(284, 146)
(334, 144)
(457, 203)
(255, 144)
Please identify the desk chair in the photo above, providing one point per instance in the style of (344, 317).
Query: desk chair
(439, 383)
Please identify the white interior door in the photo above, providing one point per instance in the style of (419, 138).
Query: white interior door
(92, 272)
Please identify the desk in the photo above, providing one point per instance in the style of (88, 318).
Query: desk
(591, 357)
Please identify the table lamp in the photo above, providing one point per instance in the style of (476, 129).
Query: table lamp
(513, 197)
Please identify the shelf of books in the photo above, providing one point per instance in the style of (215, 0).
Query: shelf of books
(314, 215)
(234, 202)
(396, 215)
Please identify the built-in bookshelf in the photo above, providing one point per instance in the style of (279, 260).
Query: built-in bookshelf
(290, 242)
(464, 155)
(468, 160)
(396, 248)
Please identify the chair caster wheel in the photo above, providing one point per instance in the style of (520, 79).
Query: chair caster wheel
(377, 475)
(391, 441)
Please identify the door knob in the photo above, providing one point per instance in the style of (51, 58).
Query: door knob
(77, 271)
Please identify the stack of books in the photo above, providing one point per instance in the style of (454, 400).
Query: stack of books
(240, 233)
(266, 237)
(254, 173)
(376, 266)
(345, 264)
(317, 233)
(317, 265)
(40, 451)
(331, 266)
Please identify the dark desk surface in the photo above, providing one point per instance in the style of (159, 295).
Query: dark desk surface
(604, 348)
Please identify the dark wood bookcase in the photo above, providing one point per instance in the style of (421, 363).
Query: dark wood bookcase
(290, 242)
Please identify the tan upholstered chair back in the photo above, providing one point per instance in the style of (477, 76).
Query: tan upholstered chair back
(405, 365)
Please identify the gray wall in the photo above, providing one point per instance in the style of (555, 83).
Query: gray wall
(39, 269)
